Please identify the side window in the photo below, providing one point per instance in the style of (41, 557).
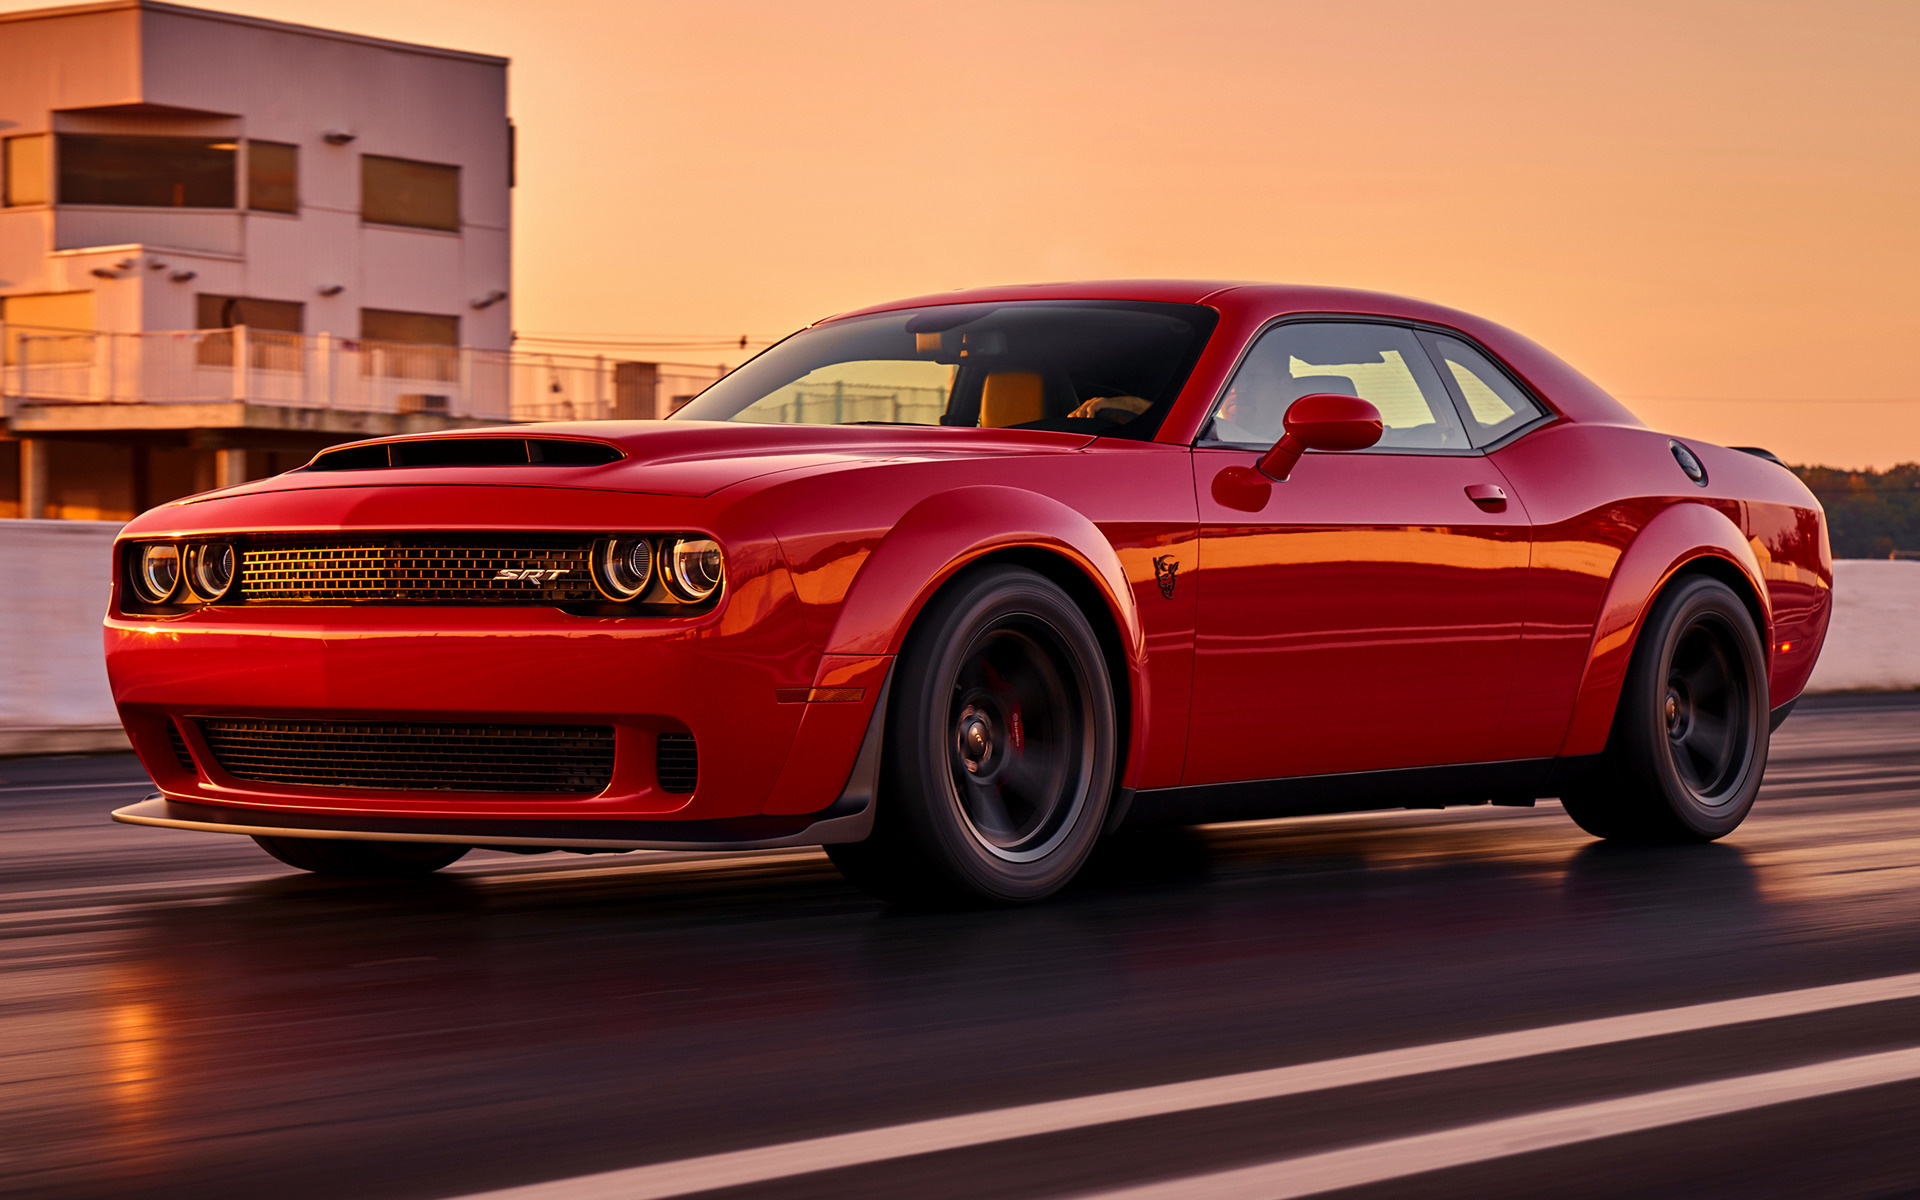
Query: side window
(1383, 364)
(1494, 405)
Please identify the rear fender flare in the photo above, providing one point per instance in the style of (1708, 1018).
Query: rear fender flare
(1682, 536)
(940, 536)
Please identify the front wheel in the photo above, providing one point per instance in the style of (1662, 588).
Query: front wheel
(1000, 752)
(1689, 742)
(362, 860)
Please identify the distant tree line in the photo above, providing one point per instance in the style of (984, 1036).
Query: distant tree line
(1870, 514)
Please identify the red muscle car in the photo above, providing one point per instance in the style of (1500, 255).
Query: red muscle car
(955, 586)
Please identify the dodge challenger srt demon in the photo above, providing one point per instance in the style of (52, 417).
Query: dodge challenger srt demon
(956, 586)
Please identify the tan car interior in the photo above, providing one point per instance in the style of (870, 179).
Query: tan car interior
(1011, 398)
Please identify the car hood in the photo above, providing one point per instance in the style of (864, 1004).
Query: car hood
(680, 458)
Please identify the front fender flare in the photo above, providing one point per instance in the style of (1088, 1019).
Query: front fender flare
(1680, 535)
(943, 533)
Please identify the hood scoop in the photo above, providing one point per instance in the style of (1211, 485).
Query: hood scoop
(467, 452)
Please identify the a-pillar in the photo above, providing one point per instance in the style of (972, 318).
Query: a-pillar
(33, 477)
(229, 466)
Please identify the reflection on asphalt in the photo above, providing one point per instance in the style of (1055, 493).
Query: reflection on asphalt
(181, 1017)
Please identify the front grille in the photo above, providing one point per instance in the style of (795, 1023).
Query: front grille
(396, 571)
(572, 759)
(181, 754)
(677, 762)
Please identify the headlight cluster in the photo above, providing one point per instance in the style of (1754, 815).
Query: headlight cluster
(204, 571)
(690, 569)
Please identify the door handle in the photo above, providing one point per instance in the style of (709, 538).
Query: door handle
(1489, 496)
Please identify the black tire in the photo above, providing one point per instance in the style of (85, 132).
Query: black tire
(362, 860)
(1689, 741)
(1000, 749)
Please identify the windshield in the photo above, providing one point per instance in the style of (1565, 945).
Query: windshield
(1088, 366)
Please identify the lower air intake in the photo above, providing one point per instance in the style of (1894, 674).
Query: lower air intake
(677, 762)
(552, 759)
(181, 754)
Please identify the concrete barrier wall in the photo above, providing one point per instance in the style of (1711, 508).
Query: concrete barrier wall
(1873, 644)
(54, 581)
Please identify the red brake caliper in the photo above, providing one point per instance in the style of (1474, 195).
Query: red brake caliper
(1014, 729)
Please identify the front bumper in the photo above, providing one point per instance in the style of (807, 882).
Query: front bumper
(729, 682)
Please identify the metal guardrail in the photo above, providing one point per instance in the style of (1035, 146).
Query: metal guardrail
(324, 372)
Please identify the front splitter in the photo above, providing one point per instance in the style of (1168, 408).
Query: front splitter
(847, 821)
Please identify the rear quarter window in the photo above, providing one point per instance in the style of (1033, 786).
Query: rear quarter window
(1491, 403)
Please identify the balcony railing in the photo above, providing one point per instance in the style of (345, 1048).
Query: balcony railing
(322, 372)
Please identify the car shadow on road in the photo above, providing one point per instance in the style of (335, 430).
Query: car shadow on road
(1716, 875)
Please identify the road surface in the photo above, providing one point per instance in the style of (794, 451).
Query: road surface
(1476, 1002)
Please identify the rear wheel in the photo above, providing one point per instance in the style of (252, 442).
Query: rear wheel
(1000, 748)
(362, 860)
(1689, 742)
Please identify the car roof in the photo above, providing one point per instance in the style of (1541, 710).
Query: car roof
(1219, 293)
(1243, 304)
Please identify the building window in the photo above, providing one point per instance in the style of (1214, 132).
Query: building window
(411, 345)
(54, 327)
(224, 312)
(52, 310)
(27, 170)
(273, 177)
(274, 330)
(424, 329)
(146, 172)
(399, 191)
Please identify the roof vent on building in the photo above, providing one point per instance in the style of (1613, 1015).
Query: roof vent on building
(467, 452)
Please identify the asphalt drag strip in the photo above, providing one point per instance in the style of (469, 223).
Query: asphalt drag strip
(1351, 1166)
(1398, 1005)
(1336, 1170)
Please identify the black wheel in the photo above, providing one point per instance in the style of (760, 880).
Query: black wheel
(1689, 742)
(1000, 749)
(362, 860)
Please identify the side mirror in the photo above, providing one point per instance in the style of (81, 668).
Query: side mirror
(1322, 421)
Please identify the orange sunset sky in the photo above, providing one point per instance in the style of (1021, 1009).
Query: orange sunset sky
(1712, 208)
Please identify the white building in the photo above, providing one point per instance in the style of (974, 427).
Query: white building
(226, 242)
(356, 187)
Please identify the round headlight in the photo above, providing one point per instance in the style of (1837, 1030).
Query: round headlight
(622, 567)
(156, 573)
(694, 569)
(210, 569)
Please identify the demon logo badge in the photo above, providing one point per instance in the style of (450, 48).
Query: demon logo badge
(1165, 568)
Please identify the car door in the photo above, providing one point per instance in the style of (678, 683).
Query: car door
(1365, 613)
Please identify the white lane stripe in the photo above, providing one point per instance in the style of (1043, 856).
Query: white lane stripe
(762, 1163)
(1377, 1162)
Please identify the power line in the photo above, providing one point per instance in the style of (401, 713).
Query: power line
(1780, 399)
(651, 341)
(622, 337)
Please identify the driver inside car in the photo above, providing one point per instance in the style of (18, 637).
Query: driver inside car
(1120, 409)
